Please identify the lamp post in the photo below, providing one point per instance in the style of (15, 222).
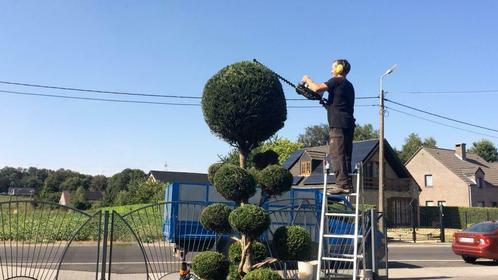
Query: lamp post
(381, 146)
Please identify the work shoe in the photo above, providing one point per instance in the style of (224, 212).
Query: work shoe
(339, 189)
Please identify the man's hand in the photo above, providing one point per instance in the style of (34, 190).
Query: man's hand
(306, 79)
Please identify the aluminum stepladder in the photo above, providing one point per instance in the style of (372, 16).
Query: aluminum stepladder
(355, 237)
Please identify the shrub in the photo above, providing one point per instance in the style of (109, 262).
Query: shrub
(262, 274)
(233, 273)
(212, 170)
(275, 180)
(263, 159)
(234, 183)
(292, 243)
(210, 265)
(215, 217)
(258, 249)
(244, 104)
(249, 219)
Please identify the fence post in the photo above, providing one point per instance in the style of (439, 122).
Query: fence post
(104, 244)
(466, 219)
(373, 233)
(487, 214)
(441, 224)
(414, 223)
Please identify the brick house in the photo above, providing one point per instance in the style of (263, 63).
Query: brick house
(401, 191)
(454, 177)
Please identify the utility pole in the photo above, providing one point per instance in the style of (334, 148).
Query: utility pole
(381, 147)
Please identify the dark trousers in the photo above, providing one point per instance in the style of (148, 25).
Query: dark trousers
(340, 149)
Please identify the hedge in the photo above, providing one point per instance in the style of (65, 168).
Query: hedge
(456, 217)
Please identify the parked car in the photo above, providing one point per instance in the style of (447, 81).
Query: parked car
(478, 241)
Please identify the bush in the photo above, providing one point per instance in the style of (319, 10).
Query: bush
(244, 104)
(258, 249)
(263, 159)
(233, 273)
(215, 217)
(249, 219)
(212, 170)
(262, 274)
(292, 243)
(275, 180)
(210, 265)
(234, 183)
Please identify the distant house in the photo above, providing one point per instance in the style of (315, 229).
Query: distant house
(21, 191)
(401, 191)
(65, 198)
(454, 177)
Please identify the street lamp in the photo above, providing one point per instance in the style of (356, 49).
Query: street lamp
(381, 146)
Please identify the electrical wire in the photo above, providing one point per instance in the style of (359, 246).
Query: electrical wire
(440, 123)
(440, 116)
(132, 93)
(132, 101)
(482, 91)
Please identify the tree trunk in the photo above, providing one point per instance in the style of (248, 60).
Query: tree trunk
(246, 261)
(243, 158)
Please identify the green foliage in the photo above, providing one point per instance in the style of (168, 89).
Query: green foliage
(282, 146)
(262, 274)
(249, 219)
(292, 243)
(234, 183)
(258, 249)
(315, 135)
(275, 180)
(244, 104)
(263, 159)
(365, 132)
(98, 183)
(213, 168)
(233, 273)
(485, 149)
(149, 191)
(412, 143)
(215, 217)
(210, 265)
(126, 180)
(75, 182)
(457, 217)
(78, 199)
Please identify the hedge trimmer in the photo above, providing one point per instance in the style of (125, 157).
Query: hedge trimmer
(301, 88)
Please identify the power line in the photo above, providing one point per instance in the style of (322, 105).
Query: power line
(132, 93)
(440, 116)
(132, 101)
(481, 91)
(440, 123)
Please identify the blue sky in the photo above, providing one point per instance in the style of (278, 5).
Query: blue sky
(174, 47)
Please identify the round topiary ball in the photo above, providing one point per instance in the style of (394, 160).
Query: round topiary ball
(210, 265)
(244, 104)
(275, 179)
(292, 243)
(234, 183)
(233, 273)
(249, 219)
(262, 274)
(263, 159)
(258, 250)
(212, 170)
(215, 217)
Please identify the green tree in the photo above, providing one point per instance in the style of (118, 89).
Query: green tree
(78, 199)
(73, 183)
(412, 143)
(282, 146)
(365, 132)
(126, 180)
(485, 149)
(98, 183)
(315, 135)
(149, 191)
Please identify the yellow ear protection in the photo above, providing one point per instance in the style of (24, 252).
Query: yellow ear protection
(339, 68)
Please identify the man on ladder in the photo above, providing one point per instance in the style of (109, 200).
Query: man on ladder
(340, 110)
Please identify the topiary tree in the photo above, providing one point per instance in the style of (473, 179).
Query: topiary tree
(292, 243)
(275, 180)
(258, 250)
(215, 217)
(243, 104)
(210, 265)
(262, 274)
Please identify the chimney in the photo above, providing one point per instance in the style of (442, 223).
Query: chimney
(460, 151)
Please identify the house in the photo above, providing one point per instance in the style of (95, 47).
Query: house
(21, 191)
(454, 177)
(401, 191)
(65, 198)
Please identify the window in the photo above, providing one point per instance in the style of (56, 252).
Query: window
(306, 168)
(480, 204)
(441, 202)
(429, 203)
(494, 204)
(372, 169)
(428, 180)
(480, 182)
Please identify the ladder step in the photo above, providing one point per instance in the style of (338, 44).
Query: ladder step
(345, 256)
(350, 236)
(337, 259)
(340, 214)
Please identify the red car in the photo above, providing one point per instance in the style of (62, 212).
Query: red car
(478, 241)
